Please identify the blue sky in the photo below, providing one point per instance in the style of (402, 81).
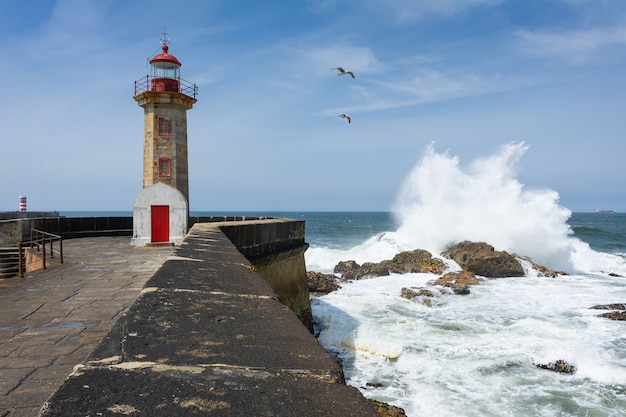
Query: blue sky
(468, 76)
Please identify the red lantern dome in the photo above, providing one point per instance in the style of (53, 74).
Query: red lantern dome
(165, 71)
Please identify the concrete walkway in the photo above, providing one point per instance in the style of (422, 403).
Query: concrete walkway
(52, 319)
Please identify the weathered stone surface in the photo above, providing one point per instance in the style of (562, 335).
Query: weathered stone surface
(421, 295)
(614, 315)
(204, 339)
(202, 391)
(559, 366)
(610, 307)
(458, 282)
(388, 410)
(320, 283)
(481, 259)
(347, 269)
(411, 294)
(416, 261)
(542, 270)
(618, 314)
(374, 269)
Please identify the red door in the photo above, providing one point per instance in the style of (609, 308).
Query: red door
(160, 223)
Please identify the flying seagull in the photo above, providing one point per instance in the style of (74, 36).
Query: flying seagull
(345, 116)
(344, 72)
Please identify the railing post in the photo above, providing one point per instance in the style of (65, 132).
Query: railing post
(51, 248)
(61, 250)
(43, 252)
(20, 260)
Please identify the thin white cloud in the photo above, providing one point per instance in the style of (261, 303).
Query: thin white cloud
(406, 11)
(577, 46)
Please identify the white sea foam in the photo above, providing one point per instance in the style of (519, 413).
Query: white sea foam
(440, 203)
(476, 355)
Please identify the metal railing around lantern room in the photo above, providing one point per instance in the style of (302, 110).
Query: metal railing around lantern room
(174, 85)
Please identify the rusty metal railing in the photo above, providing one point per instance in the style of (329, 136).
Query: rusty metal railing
(38, 241)
(182, 86)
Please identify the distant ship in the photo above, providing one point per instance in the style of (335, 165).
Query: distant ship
(605, 211)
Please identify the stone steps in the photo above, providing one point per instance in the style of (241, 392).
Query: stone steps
(9, 262)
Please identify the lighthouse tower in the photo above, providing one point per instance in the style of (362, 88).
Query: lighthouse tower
(161, 210)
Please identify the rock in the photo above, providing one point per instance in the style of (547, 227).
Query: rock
(405, 262)
(417, 261)
(610, 307)
(371, 269)
(458, 282)
(421, 295)
(347, 269)
(559, 366)
(481, 259)
(410, 294)
(320, 283)
(614, 315)
(388, 410)
(542, 270)
(619, 315)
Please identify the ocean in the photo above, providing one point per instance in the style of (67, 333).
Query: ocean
(476, 354)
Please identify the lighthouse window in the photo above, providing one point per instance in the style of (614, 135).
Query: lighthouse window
(164, 126)
(165, 167)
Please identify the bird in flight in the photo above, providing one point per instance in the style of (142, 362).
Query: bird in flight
(344, 72)
(345, 116)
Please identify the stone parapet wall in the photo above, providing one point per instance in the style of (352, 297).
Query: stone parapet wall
(209, 336)
(14, 231)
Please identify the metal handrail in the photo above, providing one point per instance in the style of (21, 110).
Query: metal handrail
(184, 87)
(38, 240)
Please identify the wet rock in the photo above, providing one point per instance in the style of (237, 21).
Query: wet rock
(416, 261)
(347, 269)
(458, 282)
(618, 314)
(481, 259)
(609, 307)
(542, 271)
(373, 269)
(388, 410)
(410, 293)
(320, 283)
(421, 295)
(559, 366)
(614, 315)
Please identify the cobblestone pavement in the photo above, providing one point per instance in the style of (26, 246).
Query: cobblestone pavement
(52, 319)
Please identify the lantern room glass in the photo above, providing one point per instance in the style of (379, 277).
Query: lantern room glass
(165, 70)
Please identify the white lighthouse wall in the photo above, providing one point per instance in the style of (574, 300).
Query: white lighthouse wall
(163, 195)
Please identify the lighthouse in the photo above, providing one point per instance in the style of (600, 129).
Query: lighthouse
(161, 209)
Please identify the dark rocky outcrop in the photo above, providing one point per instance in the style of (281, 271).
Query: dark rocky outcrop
(422, 295)
(616, 306)
(412, 293)
(559, 366)
(347, 269)
(416, 261)
(481, 259)
(320, 284)
(618, 313)
(458, 282)
(388, 410)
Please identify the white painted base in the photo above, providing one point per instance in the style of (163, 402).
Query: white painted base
(163, 195)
